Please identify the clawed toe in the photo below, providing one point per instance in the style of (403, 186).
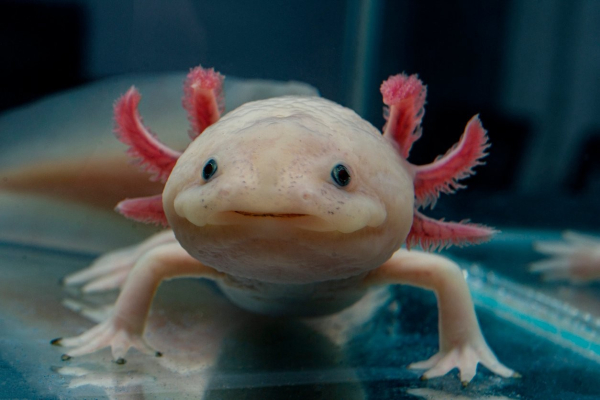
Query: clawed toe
(466, 360)
(426, 364)
(106, 334)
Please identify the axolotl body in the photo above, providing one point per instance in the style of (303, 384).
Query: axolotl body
(294, 206)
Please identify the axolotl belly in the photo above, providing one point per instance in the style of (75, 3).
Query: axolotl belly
(293, 300)
(294, 206)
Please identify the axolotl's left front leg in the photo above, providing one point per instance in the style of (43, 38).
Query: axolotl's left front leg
(462, 344)
(125, 326)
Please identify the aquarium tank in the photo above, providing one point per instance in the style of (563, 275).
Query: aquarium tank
(477, 162)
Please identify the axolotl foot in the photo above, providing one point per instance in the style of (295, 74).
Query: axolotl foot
(109, 333)
(576, 259)
(462, 344)
(124, 328)
(465, 357)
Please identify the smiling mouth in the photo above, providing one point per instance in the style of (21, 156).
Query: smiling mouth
(271, 215)
(268, 219)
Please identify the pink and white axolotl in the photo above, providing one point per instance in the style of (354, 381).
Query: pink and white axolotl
(294, 206)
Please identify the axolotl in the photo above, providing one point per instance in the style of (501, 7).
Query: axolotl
(294, 206)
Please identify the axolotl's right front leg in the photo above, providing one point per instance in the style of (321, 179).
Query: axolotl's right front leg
(125, 327)
(462, 344)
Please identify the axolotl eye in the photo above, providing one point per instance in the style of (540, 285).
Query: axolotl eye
(340, 175)
(210, 168)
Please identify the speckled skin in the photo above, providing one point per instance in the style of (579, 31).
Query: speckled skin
(275, 156)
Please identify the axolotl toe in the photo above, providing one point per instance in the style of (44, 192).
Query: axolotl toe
(294, 206)
(575, 259)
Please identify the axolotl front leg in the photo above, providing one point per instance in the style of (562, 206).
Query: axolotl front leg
(110, 271)
(461, 342)
(125, 327)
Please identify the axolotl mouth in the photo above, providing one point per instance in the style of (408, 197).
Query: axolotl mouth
(360, 213)
(296, 220)
(272, 215)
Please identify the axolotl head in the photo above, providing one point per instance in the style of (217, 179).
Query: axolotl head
(290, 190)
(297, 189)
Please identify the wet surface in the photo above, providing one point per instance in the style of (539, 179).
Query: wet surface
(213, 350)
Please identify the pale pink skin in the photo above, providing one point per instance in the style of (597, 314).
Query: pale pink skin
(272, 224)
(576, 259)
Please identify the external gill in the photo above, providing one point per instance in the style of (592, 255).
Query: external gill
(203, 101)
(405, 97)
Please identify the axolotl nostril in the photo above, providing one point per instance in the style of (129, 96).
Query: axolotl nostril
(294, 206)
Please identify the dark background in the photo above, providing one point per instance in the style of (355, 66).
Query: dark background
(530, 68)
